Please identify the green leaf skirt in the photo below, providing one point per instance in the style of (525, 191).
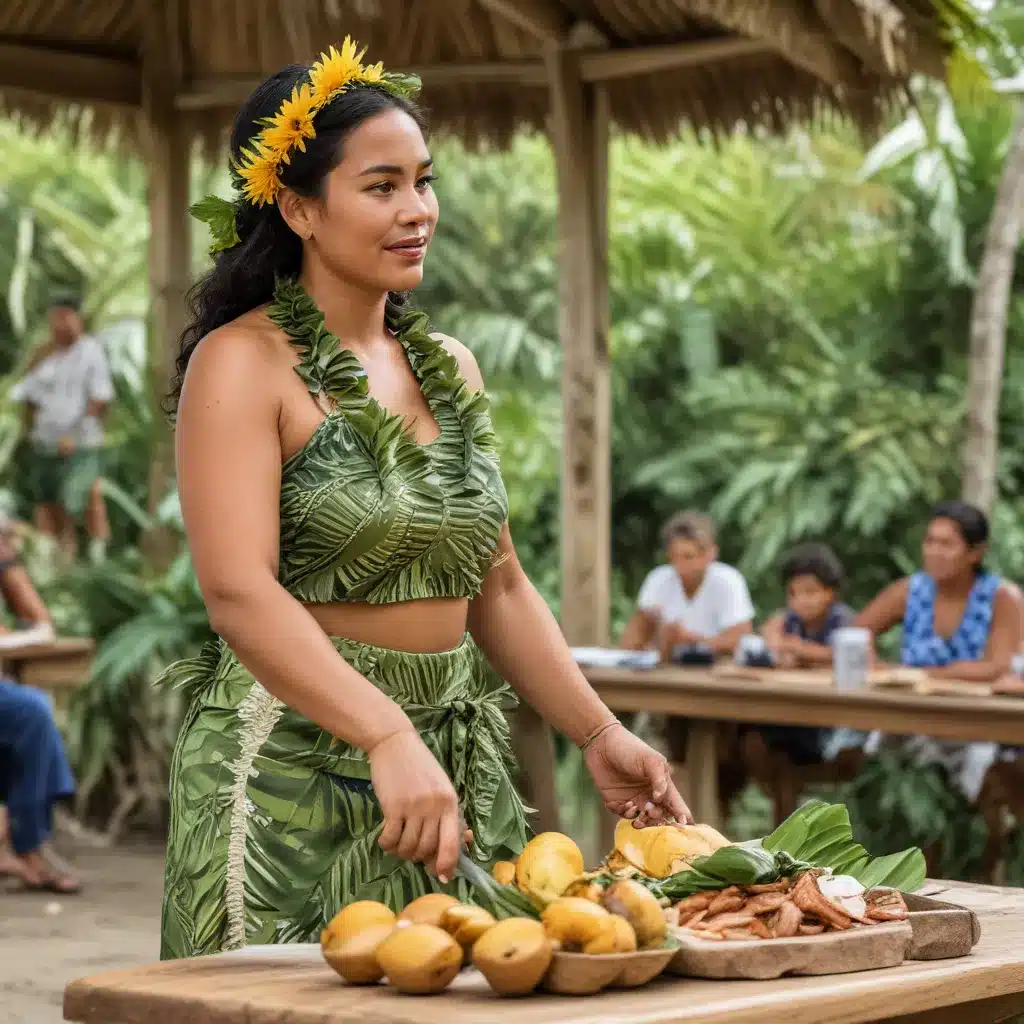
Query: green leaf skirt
(274, 824)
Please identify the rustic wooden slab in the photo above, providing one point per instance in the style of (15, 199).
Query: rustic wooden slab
(862, 949)
(292, 985)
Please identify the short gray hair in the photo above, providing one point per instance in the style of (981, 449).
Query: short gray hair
(690, 525)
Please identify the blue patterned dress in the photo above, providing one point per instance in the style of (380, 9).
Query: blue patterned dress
(922, 647)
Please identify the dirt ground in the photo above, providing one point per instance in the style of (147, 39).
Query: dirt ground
(47, 941)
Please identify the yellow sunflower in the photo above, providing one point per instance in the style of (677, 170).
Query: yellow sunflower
(258, 169)
(372, 73)
(334, 70)
(289, 128)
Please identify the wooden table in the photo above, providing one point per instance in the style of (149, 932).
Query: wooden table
(64, 662)
(705, 697)
(292, 985)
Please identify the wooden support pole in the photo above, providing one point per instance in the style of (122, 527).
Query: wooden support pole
(580, 129)
(170, 273)
(169, 164)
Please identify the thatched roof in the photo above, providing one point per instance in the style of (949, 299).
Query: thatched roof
(710, 62)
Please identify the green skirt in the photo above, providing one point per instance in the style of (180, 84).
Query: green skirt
(274, 824)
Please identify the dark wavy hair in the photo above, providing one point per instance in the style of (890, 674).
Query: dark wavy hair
(243, 276)
(817, 560)
(970, 521)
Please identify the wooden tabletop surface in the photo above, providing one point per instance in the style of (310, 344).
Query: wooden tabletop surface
(783, 700)
(292, 985)
(62, 647)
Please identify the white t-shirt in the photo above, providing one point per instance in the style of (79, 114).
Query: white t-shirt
(721, 602)
(61, 387)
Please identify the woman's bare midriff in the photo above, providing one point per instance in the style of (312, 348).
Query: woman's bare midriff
(425, 626)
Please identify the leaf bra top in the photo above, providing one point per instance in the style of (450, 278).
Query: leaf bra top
(367, 513)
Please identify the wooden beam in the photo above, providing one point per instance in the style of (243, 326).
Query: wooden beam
(580, 127)
(647, 60)
(594, 67)
(230, 90)
(76, 77)
(544, 19)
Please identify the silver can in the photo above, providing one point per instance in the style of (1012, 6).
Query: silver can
(851, 651)
(750, 646)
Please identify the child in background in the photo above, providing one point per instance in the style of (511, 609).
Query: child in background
(800, 635)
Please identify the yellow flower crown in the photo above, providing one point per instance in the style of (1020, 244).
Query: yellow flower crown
(257, 172)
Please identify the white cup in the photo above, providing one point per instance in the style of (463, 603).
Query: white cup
(851, 649)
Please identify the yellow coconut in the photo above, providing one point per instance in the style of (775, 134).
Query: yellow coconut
(616, 936)
(355, 959)
(466, 924)
(504, 872)
(630, 900)
(574, 922)
(428, 909)
(420, 959)
(548, 865)
(513, 955)
(351, 920)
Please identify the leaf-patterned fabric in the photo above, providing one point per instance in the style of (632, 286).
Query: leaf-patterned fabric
(367, 513)
(274, 824)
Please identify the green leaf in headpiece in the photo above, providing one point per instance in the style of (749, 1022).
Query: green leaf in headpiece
(219, 215)
(399, 84)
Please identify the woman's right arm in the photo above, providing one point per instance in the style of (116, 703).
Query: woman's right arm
(886, 610)
(229, 477)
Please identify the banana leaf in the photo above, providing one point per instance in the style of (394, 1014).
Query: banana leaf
(731, 865)
(821, 834)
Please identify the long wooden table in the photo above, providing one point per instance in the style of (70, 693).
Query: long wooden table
(292, 985)
(705, 697)
(56, 664)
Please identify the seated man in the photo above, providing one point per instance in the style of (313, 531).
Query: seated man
(694, 599)
(34, 772)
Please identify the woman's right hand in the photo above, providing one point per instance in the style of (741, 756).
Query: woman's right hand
(422, 821)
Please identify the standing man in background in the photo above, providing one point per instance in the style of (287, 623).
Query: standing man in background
(66, 393)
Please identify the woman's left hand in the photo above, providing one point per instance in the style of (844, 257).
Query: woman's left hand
(634, 780)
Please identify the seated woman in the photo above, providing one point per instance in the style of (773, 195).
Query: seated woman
(34, 772)
(799, 636)
(694, 598)
(959, 622)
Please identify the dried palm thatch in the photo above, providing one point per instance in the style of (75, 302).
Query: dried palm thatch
(711, 63)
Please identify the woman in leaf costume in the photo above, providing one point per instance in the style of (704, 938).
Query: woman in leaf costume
(340, 487)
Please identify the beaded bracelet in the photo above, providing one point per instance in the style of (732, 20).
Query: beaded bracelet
(597, 732)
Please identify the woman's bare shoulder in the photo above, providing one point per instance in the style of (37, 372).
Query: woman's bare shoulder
(250, 352)
(468, 366)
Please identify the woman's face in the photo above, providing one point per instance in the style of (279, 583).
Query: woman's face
(945, 553)
(379, 209)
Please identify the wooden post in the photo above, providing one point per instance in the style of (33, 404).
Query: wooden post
(170, 272)
(580, 126)
(580, 134)
(170, 242)
(168, 152)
